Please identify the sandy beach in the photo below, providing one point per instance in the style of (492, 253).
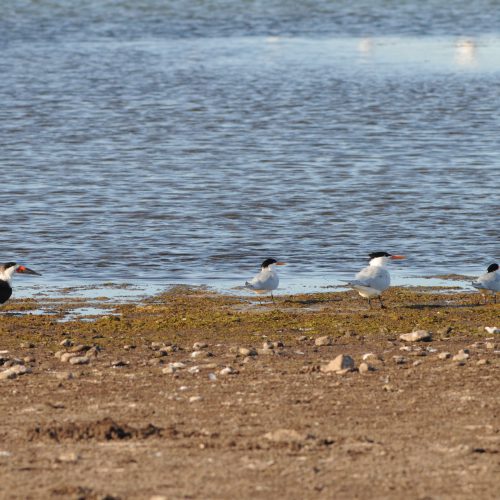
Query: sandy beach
(194, 394)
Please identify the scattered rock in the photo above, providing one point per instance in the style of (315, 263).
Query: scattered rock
(93, 352)
(198, 346)
(66, 343)
(201, 354)
(79, 360)
(173, 367)
(399, 360)
(482, 362)
(58, 354)
(417, 362)
(492, 329)
(321, 341)
(195, 399)
(228, 371)
(462, 355)
(417, 336)
(14, 371)
(444, 355)
(64, 375)
(245, 351)
(365, 368)
(27, 345)
(267, 345)
(341, 362)
(29, 359)
(66, 356)
(303, 338)
(490, 345)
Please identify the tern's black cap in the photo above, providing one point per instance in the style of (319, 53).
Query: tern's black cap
(268, 262)
(492, 268)
(374, 255)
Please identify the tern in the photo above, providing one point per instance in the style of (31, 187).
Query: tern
(267, 280)
(6, 274)
(371, 281)
(490, 280)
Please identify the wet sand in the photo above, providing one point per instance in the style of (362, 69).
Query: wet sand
(253, 413)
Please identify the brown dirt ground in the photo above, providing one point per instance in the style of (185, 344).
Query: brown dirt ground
(279, 428)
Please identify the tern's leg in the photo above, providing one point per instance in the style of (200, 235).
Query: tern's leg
(381, 303)
(274, 302)
(369, 303)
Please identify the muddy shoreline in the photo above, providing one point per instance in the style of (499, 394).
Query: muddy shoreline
(193, 394)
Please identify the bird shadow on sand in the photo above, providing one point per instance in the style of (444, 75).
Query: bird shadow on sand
(310, 302)
(441, 306)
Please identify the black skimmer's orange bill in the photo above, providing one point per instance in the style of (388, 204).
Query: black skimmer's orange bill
(267, 280)
(7, 271)
(371, 281)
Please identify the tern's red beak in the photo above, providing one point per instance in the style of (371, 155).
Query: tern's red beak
(280, 264)
(397, 257)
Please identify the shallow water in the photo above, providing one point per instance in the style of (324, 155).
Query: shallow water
(184, 142)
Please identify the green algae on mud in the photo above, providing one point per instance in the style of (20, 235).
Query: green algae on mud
(186, 313)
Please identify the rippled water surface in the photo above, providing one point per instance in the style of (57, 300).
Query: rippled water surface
(186, 141)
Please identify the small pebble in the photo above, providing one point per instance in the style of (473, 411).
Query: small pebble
(27, 345)
(66, 343)
(416, 336)
(462, 355)
(79, 360)
(492, 329)
(444, 355)
(245, 351)
(197, 346)
(322, 341)
(365, 368)
(66, 356)
(482, 362)
(399, 360)
(227, 371)
(340, 363)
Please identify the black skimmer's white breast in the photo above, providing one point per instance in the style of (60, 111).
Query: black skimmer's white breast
(371, 281)
(7, 271)
(267, 280)
(489, 281)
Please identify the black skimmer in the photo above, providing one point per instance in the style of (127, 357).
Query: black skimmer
(267, 280)
(6, 274)
(489, 281)
(371, 281)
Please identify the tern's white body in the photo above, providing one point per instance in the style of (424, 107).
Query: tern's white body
(266, 281)
(488, 282)
(372, 280)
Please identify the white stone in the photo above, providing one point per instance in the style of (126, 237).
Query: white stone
(79, 360)
(492, 329)
(416, 336)
(321, 341)
(444, 355)
(341, 362)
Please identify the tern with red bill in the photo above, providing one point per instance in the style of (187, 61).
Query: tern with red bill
(371, 281)
(6, 274)
(267, 280)
(489, 281)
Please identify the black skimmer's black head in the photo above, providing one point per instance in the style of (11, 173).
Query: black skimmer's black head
(8, 269)
(492, 268)
(270, 262)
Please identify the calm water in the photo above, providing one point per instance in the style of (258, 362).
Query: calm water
(186, 141)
